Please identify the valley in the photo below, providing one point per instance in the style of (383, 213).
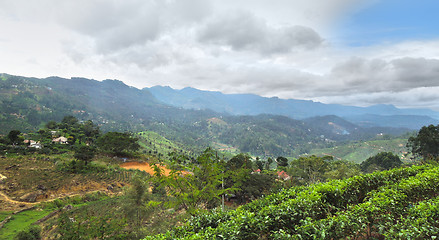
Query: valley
(116, 162)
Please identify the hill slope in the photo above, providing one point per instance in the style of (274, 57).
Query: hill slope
(396, 204)
(249, 104)
(28, 103)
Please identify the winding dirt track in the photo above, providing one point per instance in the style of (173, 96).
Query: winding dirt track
(7, 199)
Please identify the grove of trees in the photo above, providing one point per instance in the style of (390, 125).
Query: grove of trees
(426, 143)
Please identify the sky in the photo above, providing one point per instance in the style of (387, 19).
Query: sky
(351, 52)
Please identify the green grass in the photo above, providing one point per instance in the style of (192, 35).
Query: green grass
(22, 221)
(4, 215)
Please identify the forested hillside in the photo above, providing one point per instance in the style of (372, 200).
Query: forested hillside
(28, 103)
(249, 104)
(70, 179)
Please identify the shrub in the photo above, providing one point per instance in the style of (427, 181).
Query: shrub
(32, 233)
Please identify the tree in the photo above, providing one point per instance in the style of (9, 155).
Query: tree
(241, 160)
(259, 164)
(90, 131)
(268, 163)
(138, 204)
(202, 187)
(381, 161)
(341, 169)
(118, 143)
(309, 169)
(32, 233)
(69, 120)
(85, 153)
(14, 137)
(282, 162)
(426, 143)
(254, 186)
(51, 125)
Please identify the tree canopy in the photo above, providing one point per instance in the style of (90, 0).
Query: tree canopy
(426, 143)
(84, 153)
(14, 136)
(118, 143)
(381, 161)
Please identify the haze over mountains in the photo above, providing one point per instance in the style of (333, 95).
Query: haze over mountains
(249, 104)
(199, 119)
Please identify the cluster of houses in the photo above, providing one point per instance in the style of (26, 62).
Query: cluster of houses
(38, 145)
(33, 144)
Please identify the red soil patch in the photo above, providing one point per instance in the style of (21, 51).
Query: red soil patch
(144, 167)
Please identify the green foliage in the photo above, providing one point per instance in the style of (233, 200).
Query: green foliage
(26, 104)
(381, 161)
(421, 222)
(51, 125)
(74, 166)
(340, 169)
(103, 227)
(14, 137)
(69, 121)
(366, 206)
(282, 162)
(152, 143)
(32, 233)
(259, 164)
(84, 153)
(22, 222)
(200, 187)
(239, 161)
(359, 151)
(254, 186)
(138, 202)
(118, 143)
(425, 143)
(309, 169)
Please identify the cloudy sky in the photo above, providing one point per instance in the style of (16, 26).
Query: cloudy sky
(354, 52)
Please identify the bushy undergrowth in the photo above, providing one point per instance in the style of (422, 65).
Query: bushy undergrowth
(378, 205)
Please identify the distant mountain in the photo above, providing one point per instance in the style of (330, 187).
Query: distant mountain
(26, 104)
(248, 104)
(397, 121)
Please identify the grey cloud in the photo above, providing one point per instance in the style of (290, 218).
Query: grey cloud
(122, 24)
(114, 25)
(117, 25)
(363, 75)
(248, 79)
(154, 55)
(244, 31)
(412, 98)
(238, 30)
(358, 74)
(416, 72)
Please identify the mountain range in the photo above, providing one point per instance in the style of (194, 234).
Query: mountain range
(382, 115)
(198, 119)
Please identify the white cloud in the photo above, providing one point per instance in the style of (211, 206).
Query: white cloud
(272, 48)
(242, 30)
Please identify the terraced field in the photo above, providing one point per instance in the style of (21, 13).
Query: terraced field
(33, 181)
(359, 151)
(37, 178)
